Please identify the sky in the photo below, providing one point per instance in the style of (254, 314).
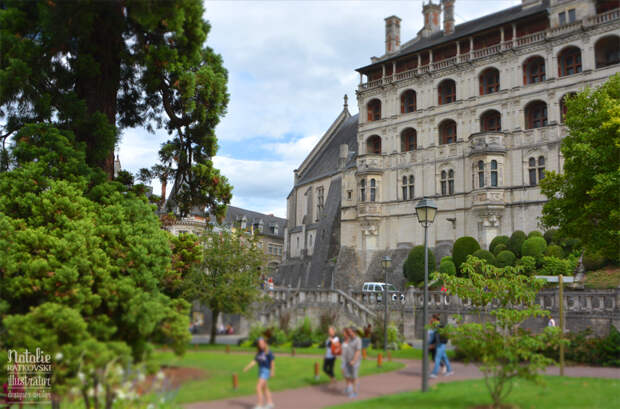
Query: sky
(289, 64)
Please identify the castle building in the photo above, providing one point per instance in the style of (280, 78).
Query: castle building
(470, 115)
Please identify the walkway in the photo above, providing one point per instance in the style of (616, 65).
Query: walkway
(372, 386)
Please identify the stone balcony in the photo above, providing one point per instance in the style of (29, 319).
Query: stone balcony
(367, 209)
(486, 142)
(370, 163)
(488, 197)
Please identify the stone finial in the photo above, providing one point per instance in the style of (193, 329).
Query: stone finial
(346, 102)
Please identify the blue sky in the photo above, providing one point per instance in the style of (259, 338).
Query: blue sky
(290, 64)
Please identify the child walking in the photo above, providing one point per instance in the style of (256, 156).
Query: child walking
(266, 369)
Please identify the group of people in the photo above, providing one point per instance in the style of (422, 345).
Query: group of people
(437, 346)
(351, 351)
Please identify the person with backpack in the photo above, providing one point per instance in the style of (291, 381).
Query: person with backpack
(432, 341)
(440, 342)
(333, 348)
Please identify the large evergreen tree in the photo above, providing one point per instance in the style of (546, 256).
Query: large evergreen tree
(97, 67)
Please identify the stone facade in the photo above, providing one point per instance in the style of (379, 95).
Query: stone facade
(471, 118)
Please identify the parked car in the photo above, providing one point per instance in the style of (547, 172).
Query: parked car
(378, 290)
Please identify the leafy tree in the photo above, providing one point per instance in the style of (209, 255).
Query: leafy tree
(501, 349)
(228, 279)
(97, 67)
(413, 268)
(583, 200)
(186, 255)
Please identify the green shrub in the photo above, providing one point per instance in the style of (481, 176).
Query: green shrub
(516, 241)
(553, 250)
(593, 260)
(553, 266)
(552, 236)
(485, 255)
(446, 258)
(413, 269)
(534, 233)
(463, 247)
(534, 247)
(506, 258)
(256, 331)
(584, 348)
(499, 248)
(302, 336)
(275, 336)
(447, 267)
(570, 244)
(528, 265)
(497, 241)
(394, 336)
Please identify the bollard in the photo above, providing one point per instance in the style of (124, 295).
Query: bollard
(316, 371)
(228, 349)
(364, 354)
(389, 353)
(235, 380)
(379, 360)
(292, 351)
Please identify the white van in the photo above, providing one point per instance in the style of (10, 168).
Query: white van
(378, 289)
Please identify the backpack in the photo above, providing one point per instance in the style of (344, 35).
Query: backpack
(336, 348)
(440, 338)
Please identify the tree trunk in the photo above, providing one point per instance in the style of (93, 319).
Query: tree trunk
(214, 315)
(98, 86)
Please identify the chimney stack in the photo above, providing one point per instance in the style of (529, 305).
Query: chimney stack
(392, 34)
(431, 14)
(343, 156)
(448, 16)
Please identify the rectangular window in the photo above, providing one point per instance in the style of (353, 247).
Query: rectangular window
(451, 186)
(404, 192)
(572, 17)
(411, 192)
(532, 177)
(443, 187)
(493, 178)
(562, 17)
(541, 173)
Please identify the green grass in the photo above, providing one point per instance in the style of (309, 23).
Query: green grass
(557, 393)
(605, 278)
(291, 372)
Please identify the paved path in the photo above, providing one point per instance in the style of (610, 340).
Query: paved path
(372, 386)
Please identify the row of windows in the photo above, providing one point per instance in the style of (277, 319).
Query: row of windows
(373, 190)
(482, 175)
(536, 116)
(607, 52)
(274, 250)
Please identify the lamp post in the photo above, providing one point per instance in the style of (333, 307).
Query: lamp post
(386, 262)
(425, 211)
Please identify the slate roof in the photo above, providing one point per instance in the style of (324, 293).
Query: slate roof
(235, 214)
(466, 29)
(326, 162)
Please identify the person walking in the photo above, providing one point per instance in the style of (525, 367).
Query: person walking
(266, 369)
(332, 350)
(440, 354)
(432, 341)
(351, 361)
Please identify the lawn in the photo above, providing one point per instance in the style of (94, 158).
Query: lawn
(558, 393)
(291, 372)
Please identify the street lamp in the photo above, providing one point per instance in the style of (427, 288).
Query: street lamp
(386, 262)
(425, 211)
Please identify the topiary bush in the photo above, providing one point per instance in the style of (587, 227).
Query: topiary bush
(516, 241)
(462, 248)
(506, 258)
(447, 267)
(413, 268)
(534, 247)
(485, 255)
(593, 260)
(527, 264)
(499, 248)
(446, 258)
(552, 236)
(497, 241)
(553, 250)
(534, 233)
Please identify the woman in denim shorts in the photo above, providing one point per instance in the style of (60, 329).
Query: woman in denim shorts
(266, 369)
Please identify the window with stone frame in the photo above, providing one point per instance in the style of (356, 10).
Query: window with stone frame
(408, 101)
(607, 51)
(320, 193)
(534, 70)
(373, 190)
(447, 182)
(536, 170)
(535, 115)
(480, 174)
(447, 132)
(374, 110)
(541, 168)
(489, 81)
(451, 182)
(363, 190)
(408, 140)
(491, 121)
(408, 187)
(494, 174)
(446, 91)
(373, 145)
(569, 61)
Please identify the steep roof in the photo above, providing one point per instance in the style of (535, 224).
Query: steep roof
(235, 214)
(465, 29)
(326, 161)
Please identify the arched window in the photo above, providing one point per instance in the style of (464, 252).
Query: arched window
(489, 81)
(407, 102)
(533, 70)
(374, 110)
(491, 121)
(408, 187)
(373, 144)
(408, 140)
(535, 115)
(563, 108)
(446, 91)
(607, 51)
(447, 132)
(373, 190)
(447, 182)
(494, 177)
(363, 190)
(569, 61)
(480, 173)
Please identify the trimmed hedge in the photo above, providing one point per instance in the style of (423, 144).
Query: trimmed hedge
(447, 267)
(499, 248)
(497, 241)
(446, 258)
(553, 266)
(593, 260)
(553, 250)
(485, 255)
(534, 233)
(516, 241)
(463, 247)
(534, 247)
(413, 269)
(506, 258)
